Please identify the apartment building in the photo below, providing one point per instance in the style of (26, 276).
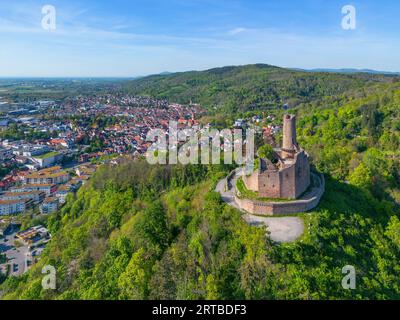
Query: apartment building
(35, 196)
(41, 177)
(8, 207)
(49, 205)
(48, 189)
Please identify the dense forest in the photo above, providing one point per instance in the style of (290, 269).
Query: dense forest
(251, 87)
(138, 231)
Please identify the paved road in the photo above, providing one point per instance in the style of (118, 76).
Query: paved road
(228, 195)
(281, 229)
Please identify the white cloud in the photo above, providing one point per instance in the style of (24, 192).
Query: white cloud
(236, 31)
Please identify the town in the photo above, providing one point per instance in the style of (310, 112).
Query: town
(50, 148)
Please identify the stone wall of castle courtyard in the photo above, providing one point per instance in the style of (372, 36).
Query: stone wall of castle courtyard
(306, 203)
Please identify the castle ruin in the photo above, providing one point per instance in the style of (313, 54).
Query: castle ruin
(287, 174)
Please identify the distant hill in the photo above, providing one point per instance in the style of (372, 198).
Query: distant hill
(165, 73)
(241, 88)
(350, 70)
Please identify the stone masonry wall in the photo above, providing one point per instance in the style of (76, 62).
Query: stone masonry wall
(287, 183)
(289, 207)
(269, 184)
(302, 171)
(251, 182)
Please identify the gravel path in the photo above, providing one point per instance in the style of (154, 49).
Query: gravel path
(284, 229)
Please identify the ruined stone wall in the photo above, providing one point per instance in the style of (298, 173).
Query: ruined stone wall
(269, 184)
(289, 207)
(251, 182)
(288, 186)
(288, 183)
(302, 170)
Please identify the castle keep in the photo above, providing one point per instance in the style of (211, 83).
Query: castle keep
(287, 174)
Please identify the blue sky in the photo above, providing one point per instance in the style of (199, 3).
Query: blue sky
(126, 38)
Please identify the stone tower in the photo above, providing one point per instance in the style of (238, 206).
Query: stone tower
(289, 144)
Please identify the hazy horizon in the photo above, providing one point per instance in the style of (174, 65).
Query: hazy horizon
(322, 69)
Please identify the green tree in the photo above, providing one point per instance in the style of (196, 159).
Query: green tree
(361, 177)
(266, 151)
(134, 282)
